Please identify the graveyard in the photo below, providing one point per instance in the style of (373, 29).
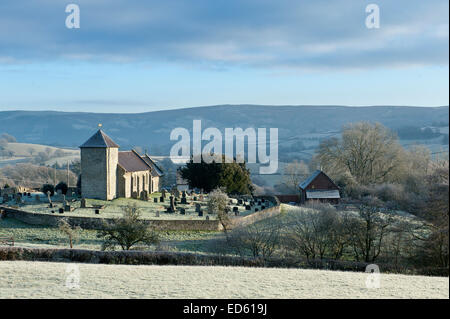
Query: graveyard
(156, 206)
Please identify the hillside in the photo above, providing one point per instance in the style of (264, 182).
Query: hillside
(152, 129)
(20, 279)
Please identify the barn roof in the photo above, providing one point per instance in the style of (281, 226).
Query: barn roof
(156, 170)
(308, 181)
(131, 161)
(99, 139)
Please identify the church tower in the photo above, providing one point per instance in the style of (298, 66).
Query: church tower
(99, 158)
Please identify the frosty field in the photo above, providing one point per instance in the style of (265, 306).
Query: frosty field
(19, 279)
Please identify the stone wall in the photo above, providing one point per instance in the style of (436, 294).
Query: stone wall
(96, 222)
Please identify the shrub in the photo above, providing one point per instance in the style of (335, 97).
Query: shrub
(48, 188)
(63, 187)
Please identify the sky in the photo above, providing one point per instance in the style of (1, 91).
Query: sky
(140, 56)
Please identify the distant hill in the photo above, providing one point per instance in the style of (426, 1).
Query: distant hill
(296, 124)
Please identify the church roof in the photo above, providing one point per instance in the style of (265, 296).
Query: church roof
(131, 161)
(99, 139)
(155, 167)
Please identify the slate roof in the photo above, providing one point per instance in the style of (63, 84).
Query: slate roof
(156, 170)
(99, 139)
(131, 161)
(308, 181)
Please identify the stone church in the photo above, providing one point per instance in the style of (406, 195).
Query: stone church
(107, 173)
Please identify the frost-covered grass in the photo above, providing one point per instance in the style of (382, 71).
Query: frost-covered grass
(19, 279)
(26, 235)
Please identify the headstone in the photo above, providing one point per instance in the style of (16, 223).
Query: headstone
(61, 210)
(183, 198)
(182, 211)
(263, 207)
(248, 207)
(53, 211)
(144, 195)
(195, 198)
(200, 213)
(97, 211)
(236, 213)
(48, 196)
(161, 199)
(256, 209)
(207, 217)
(83, 203)
(67, 208)
(197, 208)
(240, 201)
(134, 195)
(64, 200)
(157, 214)
(235, 209)
(163, 193)
(155, 200)
(171, 208)
(200, 198)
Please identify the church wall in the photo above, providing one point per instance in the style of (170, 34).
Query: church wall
(94, 173)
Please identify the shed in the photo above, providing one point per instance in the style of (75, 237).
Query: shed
(319, 187)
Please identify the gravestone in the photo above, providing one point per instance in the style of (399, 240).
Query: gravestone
(197, 207)
(182, 211)
(263, 207)
(207, 217)
(200, 213)
(256, 209)
(171, 208)
(195, 198)
(67, 208)
(248, 207)
(161, 199)
(155, 200)
(83, 203)
(200, 198)
(157, 214)
(240, 201)
(134, 195)
(64, 200)
(183, 198)
(163, 193)
(61, 210)
(49, 198)
(144, 195)
(37, 198)
(235, 209)
(53, 211)
(97, 211)
(236, 213)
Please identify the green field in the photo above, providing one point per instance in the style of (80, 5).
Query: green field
(21, 279)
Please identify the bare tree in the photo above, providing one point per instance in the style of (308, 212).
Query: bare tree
(67, 229)
(369, 152)
(294, 173)
(217, 204)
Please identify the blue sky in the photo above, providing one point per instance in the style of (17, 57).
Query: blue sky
(136, 56)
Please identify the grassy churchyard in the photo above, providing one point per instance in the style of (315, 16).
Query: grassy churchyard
(27, 235)
(111, 209)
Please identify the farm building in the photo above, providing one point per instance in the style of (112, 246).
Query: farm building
(107, 173)
(319, 187)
